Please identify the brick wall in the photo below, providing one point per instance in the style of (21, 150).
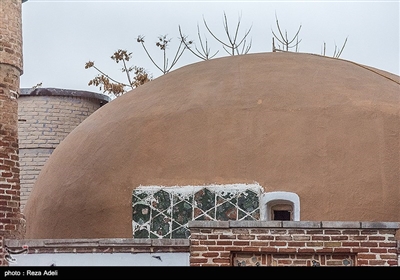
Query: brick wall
(11, 220)
(11, 33)
(277, 243)
(2, 252)
(46, 117)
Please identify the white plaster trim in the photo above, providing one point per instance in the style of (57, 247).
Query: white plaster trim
(268, 197)
(218, 188)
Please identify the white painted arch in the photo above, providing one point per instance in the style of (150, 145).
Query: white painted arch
(270, 198)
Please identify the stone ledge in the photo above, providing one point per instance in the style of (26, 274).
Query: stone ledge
(340, 224)
(96, 243)
(301, 224)
(170, 242)
(208, 224)
(255, 224)
(295, 224)
(125, 242)
(381, 225)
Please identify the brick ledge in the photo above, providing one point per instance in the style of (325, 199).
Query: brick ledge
(295, 224)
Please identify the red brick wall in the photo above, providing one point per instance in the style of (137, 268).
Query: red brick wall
(11, 33)
(293, 243)
(11, 220)
(9, 160)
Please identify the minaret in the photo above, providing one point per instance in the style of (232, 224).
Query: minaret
(11, 218)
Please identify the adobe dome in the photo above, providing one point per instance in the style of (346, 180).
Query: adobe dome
(325, 129)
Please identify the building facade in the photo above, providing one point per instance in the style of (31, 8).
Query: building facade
(226, 243)
(276, 159)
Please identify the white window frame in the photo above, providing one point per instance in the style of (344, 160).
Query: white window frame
(272, 198)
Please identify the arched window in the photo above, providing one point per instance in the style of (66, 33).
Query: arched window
(280, 206)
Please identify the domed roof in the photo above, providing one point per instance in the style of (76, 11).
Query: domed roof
(326, 129)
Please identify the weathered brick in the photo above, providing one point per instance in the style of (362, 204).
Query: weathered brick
(387, 244)
(207, 255)
(366, 256)
(215, 248)
(199, 248)
(265, 237)
(250, 249)
(287, 250)
(221, 260)
(245, 237)
(314, 231)
(362, 262)
(300, 262)
(350, 244)
(281, 262)
(320, 237)
(359, 250)
(369, 244)
(376, 262)
(208, 242)
(306, 250)
(277, 243)
(223, 242)
(388, 256)
(259, 243)
(241, 243)
(296, 244)
(324, 250)
(283, 237)
(341, 250)
(339, 237)
(359, 237)
(314, 244)
(198, 260)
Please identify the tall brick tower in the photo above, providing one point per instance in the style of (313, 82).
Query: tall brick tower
(11, 219)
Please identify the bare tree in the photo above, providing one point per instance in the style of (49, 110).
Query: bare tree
(162, 44)
(337, 52)
(284, 40)
(204, 52)
(234, 45)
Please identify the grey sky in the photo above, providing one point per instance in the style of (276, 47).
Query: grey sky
(59, 37)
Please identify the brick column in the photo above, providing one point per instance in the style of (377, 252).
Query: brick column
(11, 219)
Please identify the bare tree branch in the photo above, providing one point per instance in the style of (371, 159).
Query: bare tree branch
(284, 40)
(232, 47)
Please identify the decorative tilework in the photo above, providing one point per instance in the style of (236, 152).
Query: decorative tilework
(164, 212)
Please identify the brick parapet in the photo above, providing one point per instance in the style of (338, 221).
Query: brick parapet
(294, 243)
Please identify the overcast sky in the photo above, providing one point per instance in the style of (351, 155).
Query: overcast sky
(59, 37)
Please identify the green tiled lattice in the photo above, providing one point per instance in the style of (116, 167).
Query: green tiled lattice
(165, 212)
